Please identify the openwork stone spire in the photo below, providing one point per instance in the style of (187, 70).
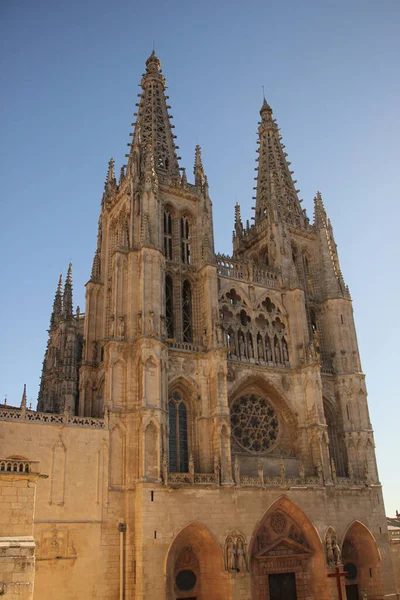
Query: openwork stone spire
(67, 299)
(276, 192)
(57, 305)
(153, 125)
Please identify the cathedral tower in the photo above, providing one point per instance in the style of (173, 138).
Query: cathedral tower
(231, 442)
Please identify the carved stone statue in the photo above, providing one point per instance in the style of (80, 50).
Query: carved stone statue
(333, 469)
(282, 470)
(121, 327)
(260, 471)
(260, 349)
(242, 347)
(250, 350)
(350, 470)
(151, 322)
(277, 354)
(302, 474)
(231, 555)
(191, 468)
(217, 469)
(241, 555)
(329, 551)
(269, 352)
(285, 353)
(139, 323)
(337, 555)
(320, 472)
(165, 468)
(94, 351)
(236, 470)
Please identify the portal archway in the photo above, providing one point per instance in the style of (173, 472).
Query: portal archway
(195, 566)
(286, 556)
(361, 559)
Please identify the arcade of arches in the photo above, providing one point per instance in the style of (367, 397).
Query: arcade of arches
(284, 558)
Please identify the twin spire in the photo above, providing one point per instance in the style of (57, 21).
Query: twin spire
(62, 305)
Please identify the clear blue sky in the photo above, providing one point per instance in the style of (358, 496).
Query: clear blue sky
(69, 78)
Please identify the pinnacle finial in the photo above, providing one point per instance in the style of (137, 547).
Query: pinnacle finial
(153, 63)
(111, 171)
(320, 218)
(67, 298)
(57, 305)
(59, 287)
(24, 401)
(199, 177)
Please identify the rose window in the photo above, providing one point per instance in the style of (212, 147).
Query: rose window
(254, 423)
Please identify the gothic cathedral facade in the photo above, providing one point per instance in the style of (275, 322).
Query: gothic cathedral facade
(204, 424)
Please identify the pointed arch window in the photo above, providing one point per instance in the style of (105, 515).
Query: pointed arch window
(168, 235)
(178, 435)
(185, 240)
(169, 307)
(187, 312)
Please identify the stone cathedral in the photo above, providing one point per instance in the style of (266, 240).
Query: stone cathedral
(202, 430)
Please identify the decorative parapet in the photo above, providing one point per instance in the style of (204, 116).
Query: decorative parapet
(12, 466)
(31, 416)
(394, 535)
(227, 267)
(183, 346)
(277, 481)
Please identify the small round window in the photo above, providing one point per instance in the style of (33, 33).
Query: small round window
(185, 580)
(254, 423)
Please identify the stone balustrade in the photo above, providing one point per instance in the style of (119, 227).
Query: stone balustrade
(31, 416)
(227, 267)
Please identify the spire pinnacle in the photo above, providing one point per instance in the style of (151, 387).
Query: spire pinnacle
(24, 400)
(57, 305)
(198, 169)
(67, 298)
(276, 194)
(153, 126)
(320, 218)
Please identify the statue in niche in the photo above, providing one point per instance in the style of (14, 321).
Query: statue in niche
(285, 352)
(191, 467)
(236, 470)
(231, 555)
(282, 469)
(302, 474)
(121, 327)
(269, 351)
(165, 468)
(277, 353)
(320, 472)
(250, 350)
(260, 349)
(329, 550)
(139, 323)
(272, 248)
(217, 469)
(337, 555)
(333, 469)
(94, 352)
(350, 470)
(260, 471)
(242, 347)
(151, 322)
(112, 325)
(241, 555)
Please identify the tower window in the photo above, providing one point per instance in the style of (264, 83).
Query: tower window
(178, 438)
(185, 240)
(169, 308)
(168, 235)
(187, 312)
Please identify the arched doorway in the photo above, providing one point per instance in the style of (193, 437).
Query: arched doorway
(286, 557)
(361, 559)
(195, 567)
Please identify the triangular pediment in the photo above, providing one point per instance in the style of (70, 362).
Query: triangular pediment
(283, 546)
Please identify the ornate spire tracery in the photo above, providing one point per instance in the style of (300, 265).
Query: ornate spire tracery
(275, 192)
(153, 125)
(57, 305)
(67, 298)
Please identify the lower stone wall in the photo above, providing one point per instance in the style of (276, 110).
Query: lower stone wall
(17, 567)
